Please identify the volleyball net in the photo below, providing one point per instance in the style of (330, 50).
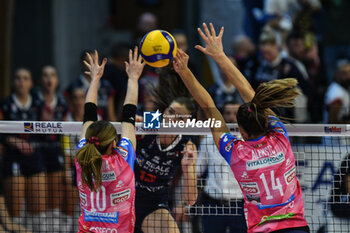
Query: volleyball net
(38, 189)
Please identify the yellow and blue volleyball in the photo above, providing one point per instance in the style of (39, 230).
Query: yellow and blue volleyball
(158, 48)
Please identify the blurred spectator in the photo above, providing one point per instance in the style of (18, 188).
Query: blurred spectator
(304, 49)
(55, 109)
(280, 14)
(304, 20)
(336, 40)
(272, 65)
(224, 91)
(251, 25)
(76, 111)
(115, 73)
(23, 171)
(105, 96)
(146, 23)
(222, 197)
(243, 50)
(182, 43)
(337, 98)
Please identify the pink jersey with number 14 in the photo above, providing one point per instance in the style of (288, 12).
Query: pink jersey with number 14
(111, 208)
(265, 169)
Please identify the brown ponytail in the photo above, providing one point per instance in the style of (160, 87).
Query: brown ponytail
(252, 116)
(89, 157)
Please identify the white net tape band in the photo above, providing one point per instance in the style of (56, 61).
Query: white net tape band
(39, 127)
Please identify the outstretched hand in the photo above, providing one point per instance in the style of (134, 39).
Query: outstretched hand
(180, 62)
(135, 65)
(213, 43)
(94, 70)
(189, 156)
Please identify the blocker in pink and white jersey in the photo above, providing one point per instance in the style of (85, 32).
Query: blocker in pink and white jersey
(111, 208)
(265, 169)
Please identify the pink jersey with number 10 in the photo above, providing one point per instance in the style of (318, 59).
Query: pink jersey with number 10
(265, 169)
(111, 208)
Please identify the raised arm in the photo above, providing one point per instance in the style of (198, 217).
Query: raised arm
(215, 50)
(134, 70)
(199, 93)
(95, 71)
(188, 165)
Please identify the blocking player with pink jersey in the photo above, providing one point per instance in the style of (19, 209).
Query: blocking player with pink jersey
(263, 163)
(105, 175)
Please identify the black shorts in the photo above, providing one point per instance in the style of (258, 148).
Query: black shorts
(53, 160)
(144, 207)
(16, 164)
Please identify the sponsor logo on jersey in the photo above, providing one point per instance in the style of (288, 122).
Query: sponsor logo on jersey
(108, 176)
(83, 198)
(290, 175)
(244, 175)
(155, 159)
(288, 162)
(90, 216)
(124, 142)
(81, 143)
(120, 184)
(167, 163)
(250, 187)
(228, 146)
(123, 152)
(103, 230)
(140, 160)
(119, 197)
(265, 162)
(279, 129)
(253, 198)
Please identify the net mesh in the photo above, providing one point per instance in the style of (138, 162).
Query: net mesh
(38, 189)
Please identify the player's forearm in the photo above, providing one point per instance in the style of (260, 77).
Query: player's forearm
(132, 92)
(190, 184)
(236, 77)
(91, 95)
(198, 92)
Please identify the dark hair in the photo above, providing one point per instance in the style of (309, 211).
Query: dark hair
(267, 36)
(89, 157)
(170, 88)
(294, 35)
(252, 116)
(22, 68)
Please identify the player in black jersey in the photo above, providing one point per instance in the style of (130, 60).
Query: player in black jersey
(23, 166)
(158, 158)
(55, 109)
(6, 224)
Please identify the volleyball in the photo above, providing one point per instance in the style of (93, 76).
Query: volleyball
(158, 48)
